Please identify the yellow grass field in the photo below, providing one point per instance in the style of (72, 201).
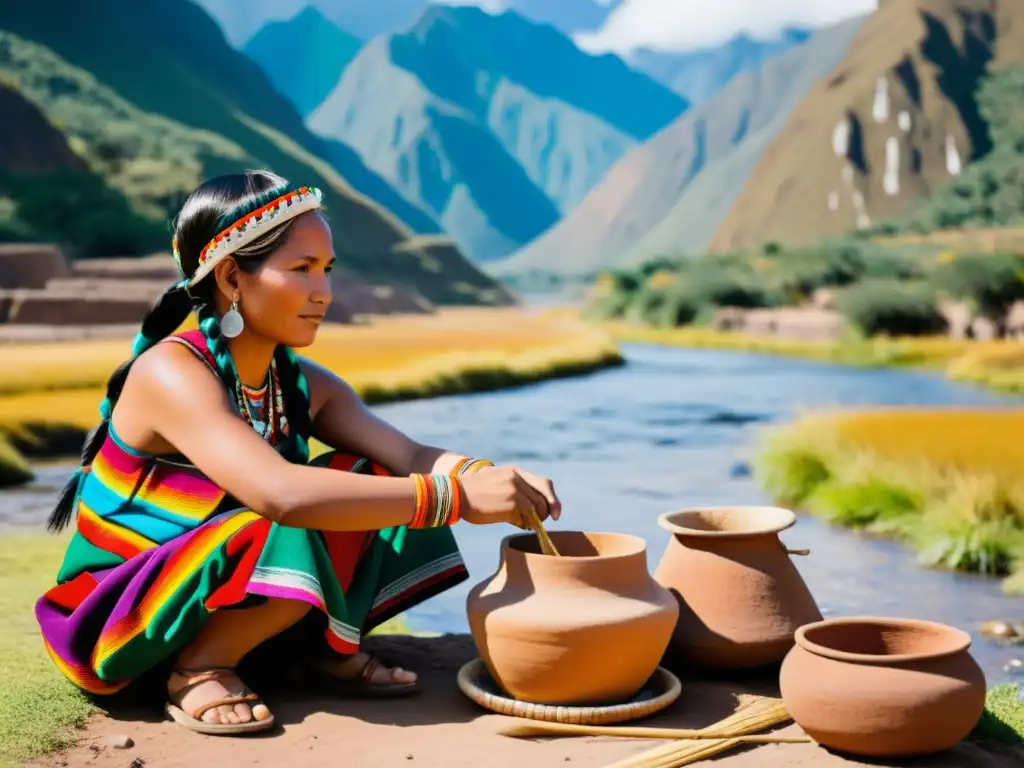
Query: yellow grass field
(948, 482)
(401, 356)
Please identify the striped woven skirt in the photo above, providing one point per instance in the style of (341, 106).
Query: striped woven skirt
(125, 603)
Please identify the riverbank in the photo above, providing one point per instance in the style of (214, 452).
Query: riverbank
(50, 392)
(43, 719)
(945, 482)
(997, 365)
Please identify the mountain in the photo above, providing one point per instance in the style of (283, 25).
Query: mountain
(897, 118)
(494, 125)
(671, 193)
(303, 57)
(29, 143)
(318, 51)
(185, 80)
(699, 75)
(367, 19)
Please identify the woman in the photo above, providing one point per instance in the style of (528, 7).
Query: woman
(202, 528)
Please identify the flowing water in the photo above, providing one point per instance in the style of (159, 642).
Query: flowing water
(672, 428)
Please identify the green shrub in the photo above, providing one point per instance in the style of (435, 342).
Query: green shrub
(679, 307)
(665, 306)
(803, 272)
(892, 307)
(990, 282)
(728, 288)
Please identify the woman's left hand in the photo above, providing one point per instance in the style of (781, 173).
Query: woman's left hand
(550, 506)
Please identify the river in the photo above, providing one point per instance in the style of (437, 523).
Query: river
(663, 432)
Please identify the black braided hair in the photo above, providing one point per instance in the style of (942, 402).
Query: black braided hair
(167, 314)
(212, 207)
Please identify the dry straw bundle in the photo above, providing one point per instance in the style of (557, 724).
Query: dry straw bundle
(755, 714)
(546, 545)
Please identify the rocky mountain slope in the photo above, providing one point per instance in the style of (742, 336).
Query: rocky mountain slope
(303, 56)
(698, 75)
(670, 194)
(185, 77)
(897, 118)
(493, 124)
(29, 143)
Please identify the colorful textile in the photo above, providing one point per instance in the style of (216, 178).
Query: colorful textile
(159, 547)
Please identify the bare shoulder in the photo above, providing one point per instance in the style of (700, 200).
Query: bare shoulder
(170, 371)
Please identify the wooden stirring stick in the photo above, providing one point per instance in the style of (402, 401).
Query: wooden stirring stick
(546, 545)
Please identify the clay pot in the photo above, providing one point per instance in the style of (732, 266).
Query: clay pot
(740, 596)
(880, 687)
(587, 628)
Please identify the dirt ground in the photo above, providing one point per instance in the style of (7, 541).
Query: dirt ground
(440, 727)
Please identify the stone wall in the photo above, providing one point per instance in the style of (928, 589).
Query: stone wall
(30, 265)
(45, 307)
(158, 267)
(39, 287)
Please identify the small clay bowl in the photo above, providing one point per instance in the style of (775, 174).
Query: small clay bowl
(882, 687)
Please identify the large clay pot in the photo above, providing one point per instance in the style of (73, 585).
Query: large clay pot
(881, 687)
(586, 628)
(740, 596)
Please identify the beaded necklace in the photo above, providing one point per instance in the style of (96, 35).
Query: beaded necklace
(263, 408)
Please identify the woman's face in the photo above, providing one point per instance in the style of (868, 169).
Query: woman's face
(285, 300)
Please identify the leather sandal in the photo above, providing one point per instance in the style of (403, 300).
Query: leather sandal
(193, 720)
(361, 685)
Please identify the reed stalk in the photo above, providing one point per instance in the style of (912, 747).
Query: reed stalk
(531, 729)
(755, 715)
(546, 545)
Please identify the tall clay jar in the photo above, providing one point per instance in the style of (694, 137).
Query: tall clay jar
(740, 596)
(586, 628)
(883, 688)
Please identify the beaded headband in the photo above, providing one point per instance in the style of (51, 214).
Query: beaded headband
(251, 227)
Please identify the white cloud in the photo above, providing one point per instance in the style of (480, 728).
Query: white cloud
(679, 25)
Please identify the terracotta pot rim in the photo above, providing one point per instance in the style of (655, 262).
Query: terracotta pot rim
(785, 519)
(959, 641)
(639, 547)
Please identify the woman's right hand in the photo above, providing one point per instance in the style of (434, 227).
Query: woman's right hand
(502, 495)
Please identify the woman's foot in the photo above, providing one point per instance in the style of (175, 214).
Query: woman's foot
(215, 696)
(364, 668)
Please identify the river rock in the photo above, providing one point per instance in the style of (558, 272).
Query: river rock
(1003, 631)
(1015, 321)
(120, 741)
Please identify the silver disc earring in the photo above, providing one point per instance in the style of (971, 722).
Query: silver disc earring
(231, 322)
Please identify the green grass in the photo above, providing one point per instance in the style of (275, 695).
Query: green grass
(39, 709)
(1003, 719)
